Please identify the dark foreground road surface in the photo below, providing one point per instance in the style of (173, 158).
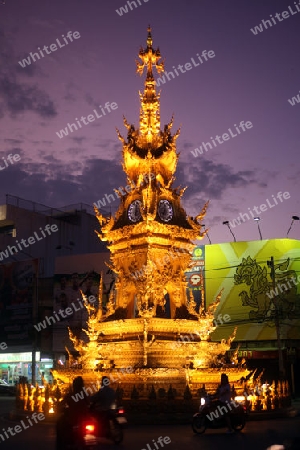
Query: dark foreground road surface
(255, 436)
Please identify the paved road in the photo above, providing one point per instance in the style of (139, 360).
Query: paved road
(256, 435)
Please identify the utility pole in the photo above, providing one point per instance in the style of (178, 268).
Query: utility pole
(277, 321)
(35, 315)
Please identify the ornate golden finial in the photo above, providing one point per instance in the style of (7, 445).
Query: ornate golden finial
(149, 57)
(149, 38)
(149, 114)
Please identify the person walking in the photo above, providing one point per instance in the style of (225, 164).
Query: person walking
(224, 396)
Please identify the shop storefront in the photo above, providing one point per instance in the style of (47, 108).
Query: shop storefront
(16, 365)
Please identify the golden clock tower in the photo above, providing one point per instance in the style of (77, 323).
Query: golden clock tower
(150, 237)
(150, 328)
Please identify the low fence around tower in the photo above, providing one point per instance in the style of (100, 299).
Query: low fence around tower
(258, 397)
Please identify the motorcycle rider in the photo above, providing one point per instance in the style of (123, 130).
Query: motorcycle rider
(104, 401)
(224, 396)
(75, 408)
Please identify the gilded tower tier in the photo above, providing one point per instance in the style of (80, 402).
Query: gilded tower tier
(151, 237)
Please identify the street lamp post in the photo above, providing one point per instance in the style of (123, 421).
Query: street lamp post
(277, 322)
(206, 234)
(257, 219)
(293, 220)
(227, 223)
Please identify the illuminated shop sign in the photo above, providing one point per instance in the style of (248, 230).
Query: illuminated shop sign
(18, 357)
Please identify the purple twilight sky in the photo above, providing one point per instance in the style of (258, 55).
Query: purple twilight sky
(251, 78)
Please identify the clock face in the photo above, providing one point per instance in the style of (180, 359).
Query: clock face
(134, 211)
(165, 210)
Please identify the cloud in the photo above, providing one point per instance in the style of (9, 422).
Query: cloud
(49, 23)
(188, 145)
(78, 139)
(83, 181)
(28, 71)
(13, 150)
(210, 179)
(79, 182)
(13, 141)
(18, 97)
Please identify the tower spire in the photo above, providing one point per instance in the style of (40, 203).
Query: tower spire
(148, 149)
(150, 101)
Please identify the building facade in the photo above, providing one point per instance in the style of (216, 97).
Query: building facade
(32, 238)
(260, 285)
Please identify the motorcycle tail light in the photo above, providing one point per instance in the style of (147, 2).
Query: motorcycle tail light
(121, 411)
(89, 428)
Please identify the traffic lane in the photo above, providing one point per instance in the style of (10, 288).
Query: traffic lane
(256, 435)
(39, 436)
(6, 404)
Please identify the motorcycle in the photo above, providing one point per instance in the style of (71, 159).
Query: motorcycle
(212, 415)
(87, 432)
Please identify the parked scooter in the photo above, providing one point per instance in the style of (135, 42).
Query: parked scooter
(212, 415)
